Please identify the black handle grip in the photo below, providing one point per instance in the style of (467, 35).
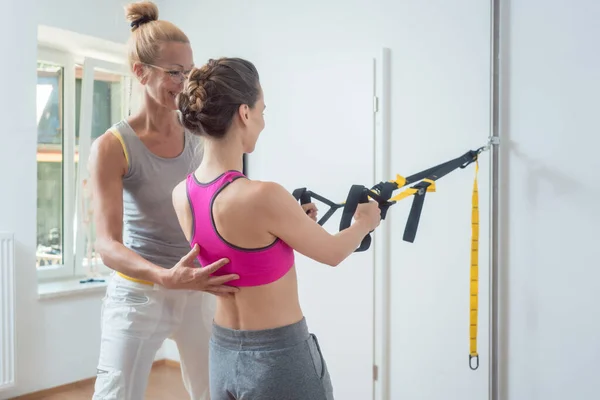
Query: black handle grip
(299, 193)
(358, 194)
(305, 198)
(302, 195)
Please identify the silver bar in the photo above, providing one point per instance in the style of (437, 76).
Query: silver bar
(382, 253)
(494, 388)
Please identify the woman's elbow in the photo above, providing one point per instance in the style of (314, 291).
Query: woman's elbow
(333, 259)
(103, 247)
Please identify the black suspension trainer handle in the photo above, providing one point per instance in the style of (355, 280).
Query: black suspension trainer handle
(305, 197)
(302, 195)
(358, 195)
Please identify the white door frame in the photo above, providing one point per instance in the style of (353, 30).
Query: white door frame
(382, 235)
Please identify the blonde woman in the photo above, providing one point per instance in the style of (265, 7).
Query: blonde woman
(157, 291)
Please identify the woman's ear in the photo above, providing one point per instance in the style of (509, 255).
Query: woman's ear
(244, 113)
(140, 72)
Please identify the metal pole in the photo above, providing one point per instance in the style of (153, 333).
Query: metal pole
(382, 244)
(494, 392)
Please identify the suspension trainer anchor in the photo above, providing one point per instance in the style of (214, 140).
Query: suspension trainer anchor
(422, 183)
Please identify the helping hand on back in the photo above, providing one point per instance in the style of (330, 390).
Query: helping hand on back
(186, 275)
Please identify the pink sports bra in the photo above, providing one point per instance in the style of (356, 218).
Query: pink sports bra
(255, 266)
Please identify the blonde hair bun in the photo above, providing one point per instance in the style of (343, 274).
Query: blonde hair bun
(141, 13)
(148, 33)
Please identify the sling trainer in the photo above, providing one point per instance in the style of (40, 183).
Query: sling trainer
(382, 193)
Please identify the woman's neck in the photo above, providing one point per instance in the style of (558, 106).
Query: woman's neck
(155, 119)
(221, 155)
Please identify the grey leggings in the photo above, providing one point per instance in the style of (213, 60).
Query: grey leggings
(280, 363)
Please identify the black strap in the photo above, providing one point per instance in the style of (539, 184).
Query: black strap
(305, 196)
(410, 230)
(383, 191)
(358, 194)
(430, 175)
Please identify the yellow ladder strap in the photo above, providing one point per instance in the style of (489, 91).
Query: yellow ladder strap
(474, 289)
(474, 272)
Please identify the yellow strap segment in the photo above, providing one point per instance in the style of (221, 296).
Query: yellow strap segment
(474, 268)
(404, 194)
(410, 191)
(134, 279)
(400, 180)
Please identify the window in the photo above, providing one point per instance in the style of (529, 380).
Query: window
(78, 99)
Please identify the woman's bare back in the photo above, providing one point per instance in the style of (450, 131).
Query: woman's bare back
(239, 221)
(238, 217)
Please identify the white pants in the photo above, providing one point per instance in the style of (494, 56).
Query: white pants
(136, 320)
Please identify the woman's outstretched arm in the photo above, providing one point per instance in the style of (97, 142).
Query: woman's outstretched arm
(286, 219)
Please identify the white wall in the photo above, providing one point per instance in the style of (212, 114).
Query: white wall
(100, 18)
(550, 191)
(440, 77)
(57, 339)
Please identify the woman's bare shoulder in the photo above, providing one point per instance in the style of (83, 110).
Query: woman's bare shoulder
(265, 191)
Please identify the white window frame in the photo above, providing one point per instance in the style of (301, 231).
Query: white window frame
(67, 61)
(73, 240)
(90, 65)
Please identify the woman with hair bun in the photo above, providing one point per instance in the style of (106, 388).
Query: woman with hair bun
(260, 346)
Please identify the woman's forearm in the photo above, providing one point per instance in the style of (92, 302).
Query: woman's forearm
(347, 241)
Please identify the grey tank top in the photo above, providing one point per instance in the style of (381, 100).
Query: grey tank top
(150, 225)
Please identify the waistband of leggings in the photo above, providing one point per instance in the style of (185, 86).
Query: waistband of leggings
(268, 339)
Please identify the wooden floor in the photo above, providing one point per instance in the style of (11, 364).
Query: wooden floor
(165, 384)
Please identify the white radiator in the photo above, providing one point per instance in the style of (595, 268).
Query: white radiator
(7, 311)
